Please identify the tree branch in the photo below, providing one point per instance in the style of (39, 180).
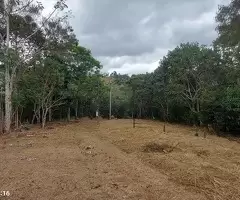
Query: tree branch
(42, 24)
(23, 7)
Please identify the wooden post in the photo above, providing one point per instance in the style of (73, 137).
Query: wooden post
(76, 109)
(134, 122)
(97, 116)
(196, 130)
(204, 134)
(69, 114)
(133, 112)
(110, 102)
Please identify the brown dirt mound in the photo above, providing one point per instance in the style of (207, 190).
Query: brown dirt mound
(202, 153)
(157, 148)
(84, 119)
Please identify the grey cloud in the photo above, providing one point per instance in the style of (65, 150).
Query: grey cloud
(122, 33)
(138, 64)
(202, 35)
(201, 30)
(114, 28)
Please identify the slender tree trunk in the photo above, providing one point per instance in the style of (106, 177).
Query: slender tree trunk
(8, 92)
(110, 103)
(50, 112)
(69, 114)
(34, 113)
(76, 110)
(134, 122)
(8, 102)
(38, 116)
(44, 118)
(82, 111)
(2, 120)
(16, 119)
(164, 118)
(198, 106)
(152, 114)
(33, 118)
(60, 113)
(50, 115)
(20, 117)
(133, 111)
(167, 112)
(2, 112)
(140, 112)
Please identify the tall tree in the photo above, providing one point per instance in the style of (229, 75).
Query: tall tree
(192, 69)
(20, 33)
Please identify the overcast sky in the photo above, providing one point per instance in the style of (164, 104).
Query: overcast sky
(131, 36)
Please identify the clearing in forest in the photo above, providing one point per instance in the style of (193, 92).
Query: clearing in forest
(110, 160)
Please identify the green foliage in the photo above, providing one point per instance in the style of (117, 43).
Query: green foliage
(228, 20)
(193, 83)
(49, 71)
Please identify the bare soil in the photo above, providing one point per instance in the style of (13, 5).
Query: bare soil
(101, 160)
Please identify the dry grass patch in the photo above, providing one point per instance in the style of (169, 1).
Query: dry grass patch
(209, 166)
(157, 148)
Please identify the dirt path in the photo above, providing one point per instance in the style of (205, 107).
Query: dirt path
(82, 161)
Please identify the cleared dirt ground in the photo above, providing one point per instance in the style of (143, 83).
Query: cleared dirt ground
(110, 160)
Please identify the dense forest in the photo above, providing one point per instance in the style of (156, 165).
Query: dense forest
(47, 75)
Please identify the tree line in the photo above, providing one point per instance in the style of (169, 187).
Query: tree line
(47, 75)
(194, 83)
